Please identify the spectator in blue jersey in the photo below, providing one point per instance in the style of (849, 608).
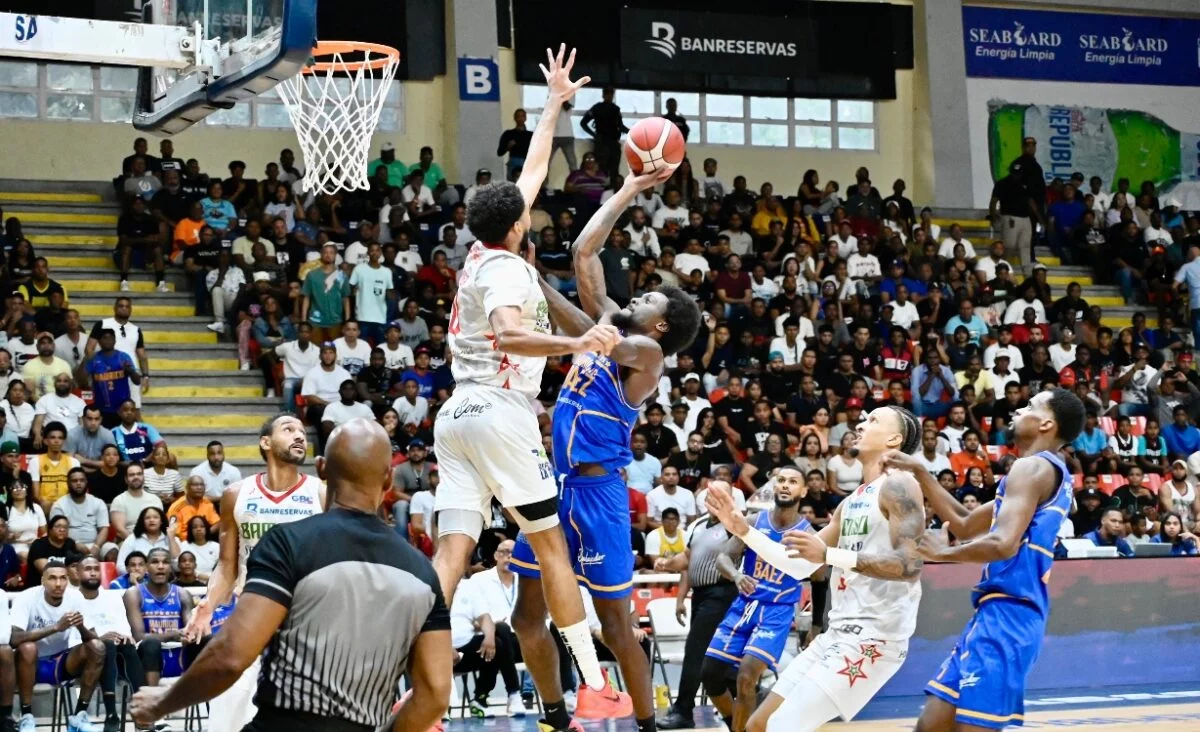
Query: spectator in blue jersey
(1182, 437)
(421, 373)
(157, 610)
(108, 373)
(135, 571)
(1112, 526)
(1183, 542)
(136, 440)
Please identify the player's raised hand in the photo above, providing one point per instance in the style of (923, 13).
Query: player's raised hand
(600, 338)
(806, 546)
(200, 623)
(720, 504)
(649, 178)
(558, 74)
(897, 460)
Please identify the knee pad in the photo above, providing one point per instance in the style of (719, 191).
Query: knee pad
(535, 517)
(715, 676)
(460, 521)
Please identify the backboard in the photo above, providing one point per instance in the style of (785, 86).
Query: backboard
(257, 44)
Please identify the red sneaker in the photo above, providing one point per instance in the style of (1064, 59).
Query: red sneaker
(604, 703)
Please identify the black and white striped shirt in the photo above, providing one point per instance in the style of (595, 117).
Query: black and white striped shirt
(358, 596)
(705, 542)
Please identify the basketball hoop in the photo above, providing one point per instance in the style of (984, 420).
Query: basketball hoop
(334, 104)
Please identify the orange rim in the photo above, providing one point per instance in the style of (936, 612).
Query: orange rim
(383, 55)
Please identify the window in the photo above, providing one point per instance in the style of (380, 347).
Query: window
(732, 119)
(75, 92)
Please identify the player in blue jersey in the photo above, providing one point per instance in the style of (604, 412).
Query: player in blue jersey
(158, 610)
(755, 630)
(596, 411)
(981, 685)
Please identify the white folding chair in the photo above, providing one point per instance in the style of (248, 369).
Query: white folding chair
(669, 634)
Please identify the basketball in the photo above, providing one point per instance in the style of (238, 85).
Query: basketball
(654, 143)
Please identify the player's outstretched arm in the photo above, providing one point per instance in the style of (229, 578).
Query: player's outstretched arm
(962, 522)
(569, 319)
(224, 575)
(721, 505)
(559, 89)
(900, 502)
(1028, 482)
(589, 272)
(511, 336)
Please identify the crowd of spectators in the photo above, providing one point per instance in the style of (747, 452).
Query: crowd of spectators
(818, 307)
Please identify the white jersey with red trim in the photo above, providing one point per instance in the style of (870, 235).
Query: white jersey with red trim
(258, 508)
(881, 609)
(492, 278)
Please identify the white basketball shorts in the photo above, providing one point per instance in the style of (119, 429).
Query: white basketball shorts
(849, 668)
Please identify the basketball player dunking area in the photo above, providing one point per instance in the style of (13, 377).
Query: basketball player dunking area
(596, 411)
(981, 685)
(488, 441)
(249, 509)
(871, 544)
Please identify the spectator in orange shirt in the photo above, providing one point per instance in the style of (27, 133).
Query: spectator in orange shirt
(972, 456)
(187, 232)
(193, 503)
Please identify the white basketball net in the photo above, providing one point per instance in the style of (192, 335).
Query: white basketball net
(335, 114)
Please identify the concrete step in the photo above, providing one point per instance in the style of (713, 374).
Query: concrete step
(231, 378)
(198, 437)
(143, 301)
(95, 283)
(26, 198)
(49, 237)
(224, 351)
(247, 466)
(102, 308)
(184, 334)
(103, 189)
(173, 362)
(65, 208)
(173, 423)
(68, 249)
(185, 387)
(192, 455)
(199, 408)
(102, 264)
(32, 215)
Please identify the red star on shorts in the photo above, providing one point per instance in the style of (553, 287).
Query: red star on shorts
(870, 651)
(841, 584)
(853, 670)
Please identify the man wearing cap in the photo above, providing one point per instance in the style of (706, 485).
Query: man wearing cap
(39, 373)
(854, 415)
(694, 401)
(387, 158)
(322, 385)
(1002, 373)
(425, 165)
(1090, 503)
(483, 176)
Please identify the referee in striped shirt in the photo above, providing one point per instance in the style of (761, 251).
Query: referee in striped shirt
(712, 595)
(340, 606)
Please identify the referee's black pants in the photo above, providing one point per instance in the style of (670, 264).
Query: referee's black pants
(709, 605)
(503, 663)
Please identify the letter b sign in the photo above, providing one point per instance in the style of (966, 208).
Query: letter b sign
(478, 80)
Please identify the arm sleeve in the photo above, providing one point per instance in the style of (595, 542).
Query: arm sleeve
(776, 555)
(270, 570)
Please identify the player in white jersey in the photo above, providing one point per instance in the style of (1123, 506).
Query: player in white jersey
(249, 508)
(487, 437)
(871, 544)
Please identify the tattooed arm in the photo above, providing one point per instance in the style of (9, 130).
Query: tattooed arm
(901, 502)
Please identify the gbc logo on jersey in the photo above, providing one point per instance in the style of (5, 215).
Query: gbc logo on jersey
(299, 498)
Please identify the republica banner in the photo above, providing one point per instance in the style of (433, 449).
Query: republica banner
(1062, 46)
(716, 43)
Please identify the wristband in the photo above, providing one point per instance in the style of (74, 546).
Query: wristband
(841, 558)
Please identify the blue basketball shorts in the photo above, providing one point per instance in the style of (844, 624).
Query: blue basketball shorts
(984, 676)
(53, 669)
(594, 511)
(753, 628)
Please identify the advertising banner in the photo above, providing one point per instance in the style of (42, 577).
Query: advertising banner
(1109, 619)
(716, 43)
(1064, 46)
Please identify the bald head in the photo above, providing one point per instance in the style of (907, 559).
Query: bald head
(357, 464)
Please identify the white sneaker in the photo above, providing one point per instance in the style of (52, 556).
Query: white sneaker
(479, 710)
(569, 700)
(217, 327)
(79, 722)
(270, 393)
(125, 286)
(516, 706)
(163, 287)
(28, 723)
(245, 365)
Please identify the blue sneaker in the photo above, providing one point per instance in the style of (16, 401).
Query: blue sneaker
(79, 722)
